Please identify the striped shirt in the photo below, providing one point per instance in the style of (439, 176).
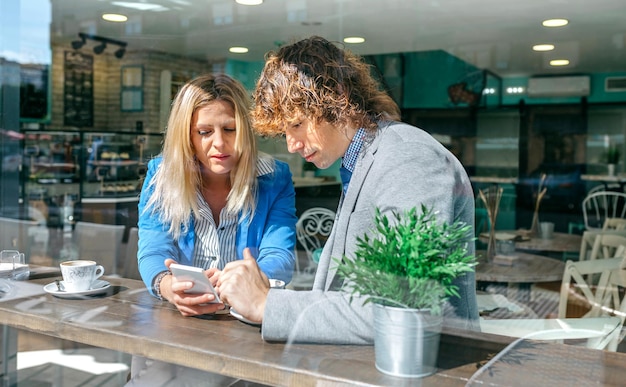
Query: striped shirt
(216, 245)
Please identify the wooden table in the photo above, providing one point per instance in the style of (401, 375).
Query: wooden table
(607, 180)
(526, 270)
(128, 319)
(561, 242)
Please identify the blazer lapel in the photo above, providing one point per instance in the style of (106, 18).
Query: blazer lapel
(346, 207)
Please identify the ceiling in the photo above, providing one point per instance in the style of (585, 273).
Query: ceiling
(492, 34)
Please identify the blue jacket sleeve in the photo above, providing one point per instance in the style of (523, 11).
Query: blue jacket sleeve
(155, 243)
(273, 227)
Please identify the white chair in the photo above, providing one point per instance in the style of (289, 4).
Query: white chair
(27, 236)
(608, 245)
(605, 187)
(597, 297)
(614, 224)
(599, 206)
(599, 327)
(131, 269)
(312, 231)
(101, 243)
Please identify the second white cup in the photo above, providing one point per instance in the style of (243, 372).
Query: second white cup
(546, 230)
(79, 275)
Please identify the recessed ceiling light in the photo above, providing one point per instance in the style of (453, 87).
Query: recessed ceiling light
(249, 2)
(354, 39)
(559, 62)
(141, 6)
(543, 47)
(555, 22)
(114, 17)
(238, 50)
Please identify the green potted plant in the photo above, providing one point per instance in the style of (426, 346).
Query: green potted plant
(612, 158)
(406, 268)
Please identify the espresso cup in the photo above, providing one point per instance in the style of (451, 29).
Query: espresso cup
(79, 275)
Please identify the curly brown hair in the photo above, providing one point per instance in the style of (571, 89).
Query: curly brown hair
(315, 78)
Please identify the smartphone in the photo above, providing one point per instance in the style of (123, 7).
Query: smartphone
(201, 283)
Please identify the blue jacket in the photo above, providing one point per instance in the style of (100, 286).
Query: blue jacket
(270, 236)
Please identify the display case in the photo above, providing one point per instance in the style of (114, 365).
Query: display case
(69, 176)
(115, 163)
(50, 173)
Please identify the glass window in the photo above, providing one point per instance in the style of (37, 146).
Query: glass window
(523, 106)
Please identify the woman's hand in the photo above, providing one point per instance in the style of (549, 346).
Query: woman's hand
(244, 287)
(189, 304)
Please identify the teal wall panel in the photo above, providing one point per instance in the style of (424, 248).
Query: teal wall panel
(245, 72)
(429, 74)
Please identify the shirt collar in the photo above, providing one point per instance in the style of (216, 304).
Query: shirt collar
(264, 166)
(352, 154)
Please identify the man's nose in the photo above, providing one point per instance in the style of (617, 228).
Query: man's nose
(293, 145)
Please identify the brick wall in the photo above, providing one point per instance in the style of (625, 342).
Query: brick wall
(107, 114)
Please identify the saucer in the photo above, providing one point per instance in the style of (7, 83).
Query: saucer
(98, 287)
(239, 317)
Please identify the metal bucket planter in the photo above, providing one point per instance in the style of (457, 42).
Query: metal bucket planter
(406, 341)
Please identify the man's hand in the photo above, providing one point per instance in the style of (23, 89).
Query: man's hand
(244, 287)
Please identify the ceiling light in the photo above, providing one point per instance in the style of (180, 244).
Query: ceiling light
(141, 6)
(99, 49)
(114, 17)
(555, 22)
(120, 52)
(249, 2)
(78, 44)
(559, 62)
(354, 39)
(543, 47)
(238, 50)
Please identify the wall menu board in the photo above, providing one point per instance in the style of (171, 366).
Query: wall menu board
(78, 89)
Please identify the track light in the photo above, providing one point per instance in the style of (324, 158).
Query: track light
(99, 49)
(78, 44)
(120, 52)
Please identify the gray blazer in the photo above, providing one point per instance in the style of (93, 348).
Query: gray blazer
(400, 168)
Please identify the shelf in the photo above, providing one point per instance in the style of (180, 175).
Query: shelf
(114, 163)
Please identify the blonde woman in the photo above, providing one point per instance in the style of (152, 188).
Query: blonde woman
(209, 195)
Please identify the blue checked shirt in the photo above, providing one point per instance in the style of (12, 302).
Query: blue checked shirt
(349, 159)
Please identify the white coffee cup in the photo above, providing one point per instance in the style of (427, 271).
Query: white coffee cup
(79, 275)
(546, 230)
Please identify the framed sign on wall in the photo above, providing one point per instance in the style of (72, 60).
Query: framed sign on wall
(132, 89)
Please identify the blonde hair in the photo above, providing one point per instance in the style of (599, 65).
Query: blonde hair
(315, 78)
(178, 178)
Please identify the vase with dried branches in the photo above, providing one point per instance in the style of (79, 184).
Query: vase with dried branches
(541, 192)
(491, 197)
